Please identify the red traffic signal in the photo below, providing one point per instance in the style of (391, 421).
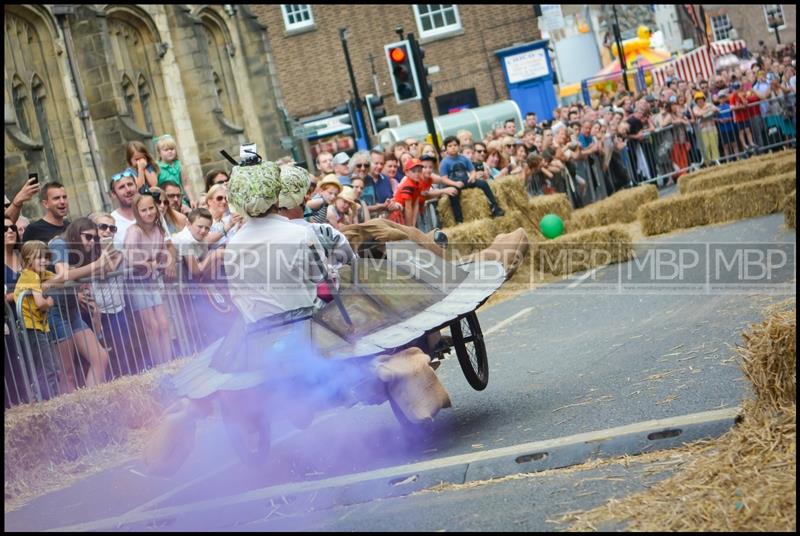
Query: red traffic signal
(398, 55)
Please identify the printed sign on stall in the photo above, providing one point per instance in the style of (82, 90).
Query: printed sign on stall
(527, 65)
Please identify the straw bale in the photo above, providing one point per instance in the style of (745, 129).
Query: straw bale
(738, 201)
(670, 213)
(68, 427)
(583, 250)
(474, 206)
(741, 201)
(542, 205)
(472, 236)
(790, 210)
(769, 358)
(509, 191)
(619, 208)
(738, 172)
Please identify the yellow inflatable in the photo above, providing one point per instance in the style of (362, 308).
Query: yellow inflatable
(636, 45)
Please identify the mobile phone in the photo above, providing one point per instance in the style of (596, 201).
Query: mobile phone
(34, 176)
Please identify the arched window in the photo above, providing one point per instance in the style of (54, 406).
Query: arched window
(137, 62)
(20, 97)
(220, 50)
(39, 106)
(144, 99)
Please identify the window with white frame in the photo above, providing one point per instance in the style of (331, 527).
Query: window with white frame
(721, 25)
(297, 16)
(436, 19)
(776, 11)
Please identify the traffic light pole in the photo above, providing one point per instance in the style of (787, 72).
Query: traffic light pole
(358, 128)
(425, 94)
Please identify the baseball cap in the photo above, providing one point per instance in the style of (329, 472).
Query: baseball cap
(411, 164)
(341, 158)
(699, 95)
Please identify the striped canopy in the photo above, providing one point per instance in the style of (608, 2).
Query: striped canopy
(644, 58)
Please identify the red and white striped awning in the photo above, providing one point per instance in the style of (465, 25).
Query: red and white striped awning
(720, 48)
(692, 67)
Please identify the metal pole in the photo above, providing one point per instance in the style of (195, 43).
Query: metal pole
(424, 96)
(358, 129)
(620, 51)
(777, 33)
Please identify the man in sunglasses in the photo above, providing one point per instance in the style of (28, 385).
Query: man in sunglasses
(378, 194)
(53, 197)
(123, 188)
(174, 196)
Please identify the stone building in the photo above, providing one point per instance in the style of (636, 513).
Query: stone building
(82, 81)
(460, 39)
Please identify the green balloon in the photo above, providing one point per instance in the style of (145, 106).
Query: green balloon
(551, 226)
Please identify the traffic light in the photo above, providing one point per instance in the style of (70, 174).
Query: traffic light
(346, 108)
(402, 71)
(422, 71)
(376, 113)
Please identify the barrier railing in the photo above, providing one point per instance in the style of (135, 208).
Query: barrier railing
(101, 329)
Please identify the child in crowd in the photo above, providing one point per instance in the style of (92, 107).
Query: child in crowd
(317, 207)
(338, 213)
(170, 167)
(142, 164)
(146, 253)
(34, 314)
(408, 194)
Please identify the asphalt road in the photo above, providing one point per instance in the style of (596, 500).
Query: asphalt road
(616, 346)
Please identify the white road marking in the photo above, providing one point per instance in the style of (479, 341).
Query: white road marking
(403, 471)
(507, 321)
(583, 278)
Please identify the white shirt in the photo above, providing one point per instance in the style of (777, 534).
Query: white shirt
(123, 224)
(268, 267)
(188, 246)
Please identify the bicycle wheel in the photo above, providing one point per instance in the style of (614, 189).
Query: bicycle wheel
(470, 350)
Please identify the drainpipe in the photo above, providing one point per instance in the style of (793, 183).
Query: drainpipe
(61, 13)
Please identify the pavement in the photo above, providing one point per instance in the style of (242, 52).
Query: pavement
(604, 349)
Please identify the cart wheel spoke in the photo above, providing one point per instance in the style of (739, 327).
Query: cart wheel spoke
(471, 350)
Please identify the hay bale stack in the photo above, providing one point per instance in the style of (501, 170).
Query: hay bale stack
(558, 204)
(670, 213)
(583, 250)
(769, 359)
(738, 201)
(474, 206)
(509, 191)
(472, 236)
(71, 426)
(742, 201)
(738, 172)
(619, 208)
(790, 210)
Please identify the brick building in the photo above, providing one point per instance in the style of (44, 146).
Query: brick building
(749, 22)
(460, 39)
(82, 81)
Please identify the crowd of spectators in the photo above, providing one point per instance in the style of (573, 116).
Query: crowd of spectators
(161, 231)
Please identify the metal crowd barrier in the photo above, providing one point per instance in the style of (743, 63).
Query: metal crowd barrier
(39, 368)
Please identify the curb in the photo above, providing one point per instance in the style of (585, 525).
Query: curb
(404, 479)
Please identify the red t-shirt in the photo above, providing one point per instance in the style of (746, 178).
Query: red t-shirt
(407, 190)
(744, 113)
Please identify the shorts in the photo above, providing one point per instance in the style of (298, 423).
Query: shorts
(145, 298)
(65, 323)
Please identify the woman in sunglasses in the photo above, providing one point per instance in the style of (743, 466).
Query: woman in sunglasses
(13, 260)
(173, 221)
(77, 255)
(127, 354)
(225, 224)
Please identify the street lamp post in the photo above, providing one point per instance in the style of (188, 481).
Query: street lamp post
(620, 51)
(358, 128)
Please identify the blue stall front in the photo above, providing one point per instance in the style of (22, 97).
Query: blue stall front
(529, 78)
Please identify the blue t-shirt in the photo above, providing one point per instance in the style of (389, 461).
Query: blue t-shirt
(344, 180)
(376, 192)
(585, 141)
(457, 168)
